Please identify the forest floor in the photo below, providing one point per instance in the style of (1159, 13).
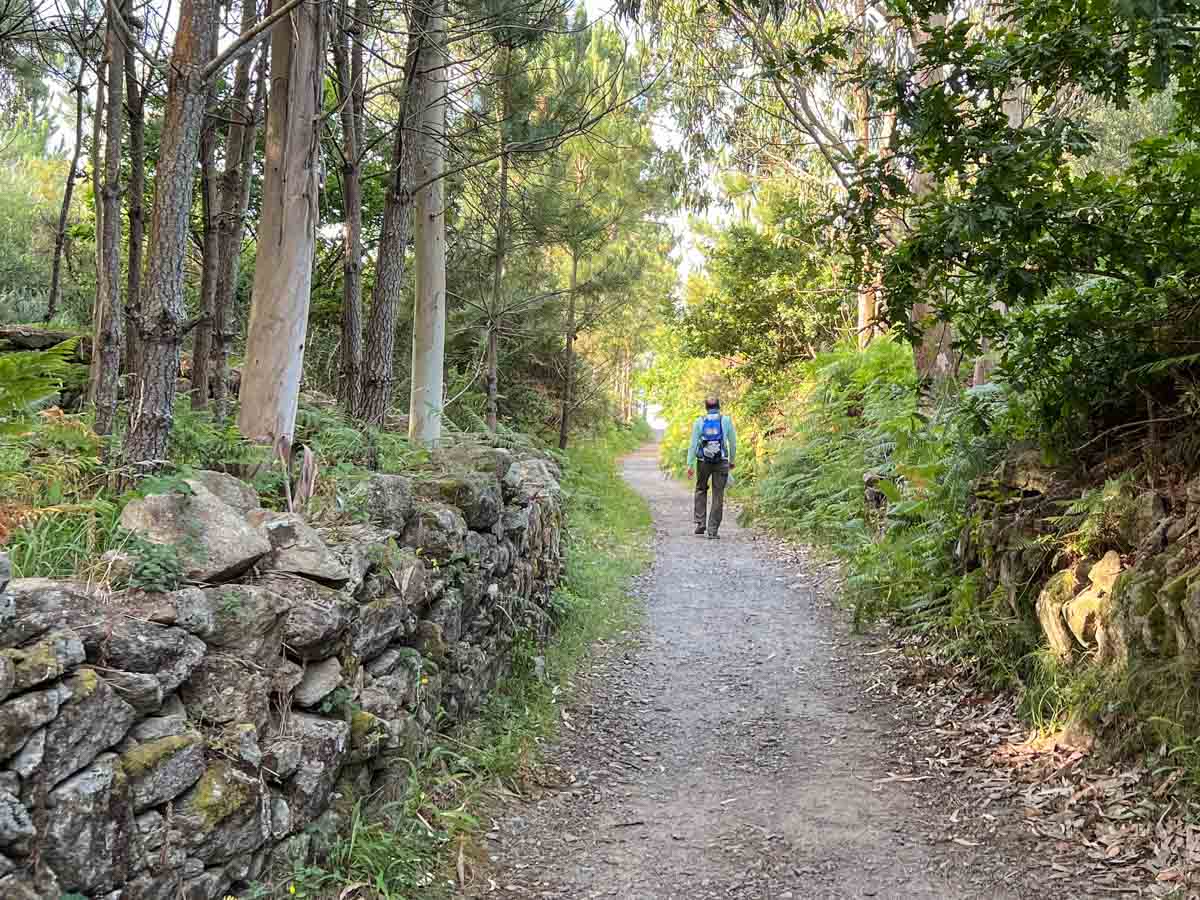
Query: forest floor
(746, 745)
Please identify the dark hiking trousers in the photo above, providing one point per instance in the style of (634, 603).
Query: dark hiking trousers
(719, 475)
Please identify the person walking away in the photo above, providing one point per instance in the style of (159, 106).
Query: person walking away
(711, 454)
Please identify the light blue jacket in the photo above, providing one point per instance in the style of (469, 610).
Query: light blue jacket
(730, 440)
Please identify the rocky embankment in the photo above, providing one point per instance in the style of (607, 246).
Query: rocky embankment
(164, 745)
(1136, 601)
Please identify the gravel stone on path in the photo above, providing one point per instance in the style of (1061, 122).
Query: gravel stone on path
(730, 752)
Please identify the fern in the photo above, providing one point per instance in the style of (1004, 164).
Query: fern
(29, 378)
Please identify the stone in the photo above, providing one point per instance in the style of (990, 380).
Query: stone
(31, 607)
(214, 540)
(26, 886)
(1059, 590)
(281, 758)
(23, 715)
(297, 549)
(281, 818)
(189, 608)
(229, 490)
(286, 677)
(476, 495)
(516, 520)
(225, 689)
(16, 827)
(28, 762)
(143, 692)
(1148, 510)
(320, 680)
(247, 618)
(379, 622)
(1025, 471)
(357, 548)
(8, 676)
(316, 619)
(385, 662)
(430, 641)
(5, 570)
(1104, 573)
(160, 770)
(152, 728)
(474, 458)
(447, 614)
(223, 815)
(437, 530)
(369, 736)
(325, 743)
(92, 840)
(528, 479)
(240, 741)
(91, 719)
(389, 500)
(169, 654)
(1083, 615)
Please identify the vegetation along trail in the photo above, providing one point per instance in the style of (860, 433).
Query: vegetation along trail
(727, 756)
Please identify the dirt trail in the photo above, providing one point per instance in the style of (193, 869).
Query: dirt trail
(729, 755)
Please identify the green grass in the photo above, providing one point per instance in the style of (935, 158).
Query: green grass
(410, 848)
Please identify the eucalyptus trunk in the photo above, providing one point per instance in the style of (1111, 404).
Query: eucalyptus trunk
(275, 337)
(503, 112)
(427, 398)
(162, 326)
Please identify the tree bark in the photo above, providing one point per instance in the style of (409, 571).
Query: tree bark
(95, 156)
(209, 203)
(136, 211)
(375, 394)
(932, 355)
(503, 112)
(162, 326)
(426, 400)
(568, 395)
(866, 293)
(60, 233)
(270, 391)
(348, 55)
(235, 198)
(111, 319)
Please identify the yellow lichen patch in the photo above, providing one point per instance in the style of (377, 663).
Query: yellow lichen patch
(219, 794)
(145, 757)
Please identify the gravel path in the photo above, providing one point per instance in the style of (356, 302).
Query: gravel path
(728, 753)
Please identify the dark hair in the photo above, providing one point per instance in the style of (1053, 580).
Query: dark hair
(711, 402)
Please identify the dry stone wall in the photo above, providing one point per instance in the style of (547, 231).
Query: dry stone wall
(157, 746)
(1139, 600)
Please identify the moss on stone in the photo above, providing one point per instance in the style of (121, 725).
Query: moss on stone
(144, 757)
(84, 683)
(219, 794)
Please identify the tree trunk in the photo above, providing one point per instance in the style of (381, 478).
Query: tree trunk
(503, 112)
(108, 338)
(162, 326)
(136, 205)
(426, 400)
(375, 395)
(932, 355)
(60, 233)
(278, 326)
(347, 51)
(866, 292)
(95, 155)
(209, 203)
(235, 198)
(568, 395)
(493, 380)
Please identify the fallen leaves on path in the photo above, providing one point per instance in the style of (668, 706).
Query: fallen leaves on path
(1113, 829)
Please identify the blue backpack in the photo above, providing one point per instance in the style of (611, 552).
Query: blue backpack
(712, 438)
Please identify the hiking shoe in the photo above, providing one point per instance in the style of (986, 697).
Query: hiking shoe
(700, 529)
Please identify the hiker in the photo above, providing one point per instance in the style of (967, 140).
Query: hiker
(711, 455)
